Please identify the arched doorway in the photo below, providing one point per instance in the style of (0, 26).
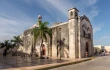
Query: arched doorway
(43, 49)
(87, 49)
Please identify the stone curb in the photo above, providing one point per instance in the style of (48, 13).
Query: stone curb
(64, 64)
(50, 66)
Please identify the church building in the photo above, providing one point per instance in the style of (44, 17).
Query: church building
(71, 39)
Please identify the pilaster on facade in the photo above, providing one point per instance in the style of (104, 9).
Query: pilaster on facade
(73, 29)
(79, 37)
(54, 43)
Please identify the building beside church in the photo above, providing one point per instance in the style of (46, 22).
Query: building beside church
(107, 49)
(98, 48)
(75, 37)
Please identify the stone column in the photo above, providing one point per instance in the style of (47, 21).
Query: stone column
(54, 42)
(72, 39)
(73, 31)
(79, 37)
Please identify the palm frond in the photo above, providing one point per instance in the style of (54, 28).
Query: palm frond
(39, 22)
(45, 37)
(36, 33)
(45, 23)
(17, 41)
(41, 32)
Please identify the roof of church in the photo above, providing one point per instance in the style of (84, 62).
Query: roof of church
(73, 8)
(85, 17)
(35, 25)
(82, 17)
(58, 24)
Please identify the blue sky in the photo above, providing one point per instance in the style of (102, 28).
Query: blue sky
(18, 15)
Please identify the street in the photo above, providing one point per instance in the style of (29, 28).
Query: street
(99, 63)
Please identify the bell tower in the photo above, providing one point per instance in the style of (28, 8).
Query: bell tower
(73, 13)
(73, 32)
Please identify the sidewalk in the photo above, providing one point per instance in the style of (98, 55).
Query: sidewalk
(53, 65)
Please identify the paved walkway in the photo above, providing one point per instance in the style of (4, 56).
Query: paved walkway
(16, 62)
(19, 63)
(99, 63)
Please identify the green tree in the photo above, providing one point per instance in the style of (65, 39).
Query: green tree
(17, 41)
(0, 44)
(6, 44)
(41, 32)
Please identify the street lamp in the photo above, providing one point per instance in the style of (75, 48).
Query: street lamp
(60, 42)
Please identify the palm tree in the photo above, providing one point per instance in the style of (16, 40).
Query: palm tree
(41, 32)
(17, 41)
(7, 45)
(0, 44)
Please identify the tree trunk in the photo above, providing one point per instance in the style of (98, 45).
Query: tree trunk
(49, 47)
(41, 49)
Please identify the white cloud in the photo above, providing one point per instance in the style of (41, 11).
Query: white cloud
(28, 1)
(91, 2)
(15, 21)
(11, 26)
(61, 5)
(5, 22)
(56, 5)
(6, 37)
(64, 5)
(93, 13)
(8, 28)
(97, 28)
(102, 41)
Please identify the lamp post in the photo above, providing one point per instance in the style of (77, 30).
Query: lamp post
(60, 42)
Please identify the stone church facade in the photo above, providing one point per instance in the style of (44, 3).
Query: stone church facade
(71, 39)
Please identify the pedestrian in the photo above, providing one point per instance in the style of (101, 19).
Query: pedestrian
(86, 54)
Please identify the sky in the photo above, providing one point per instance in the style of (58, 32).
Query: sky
(19, 15)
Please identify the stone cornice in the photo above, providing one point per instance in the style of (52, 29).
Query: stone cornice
(73, 8)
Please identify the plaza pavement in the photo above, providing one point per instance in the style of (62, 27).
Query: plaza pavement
(99, 63)
(19, 63)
